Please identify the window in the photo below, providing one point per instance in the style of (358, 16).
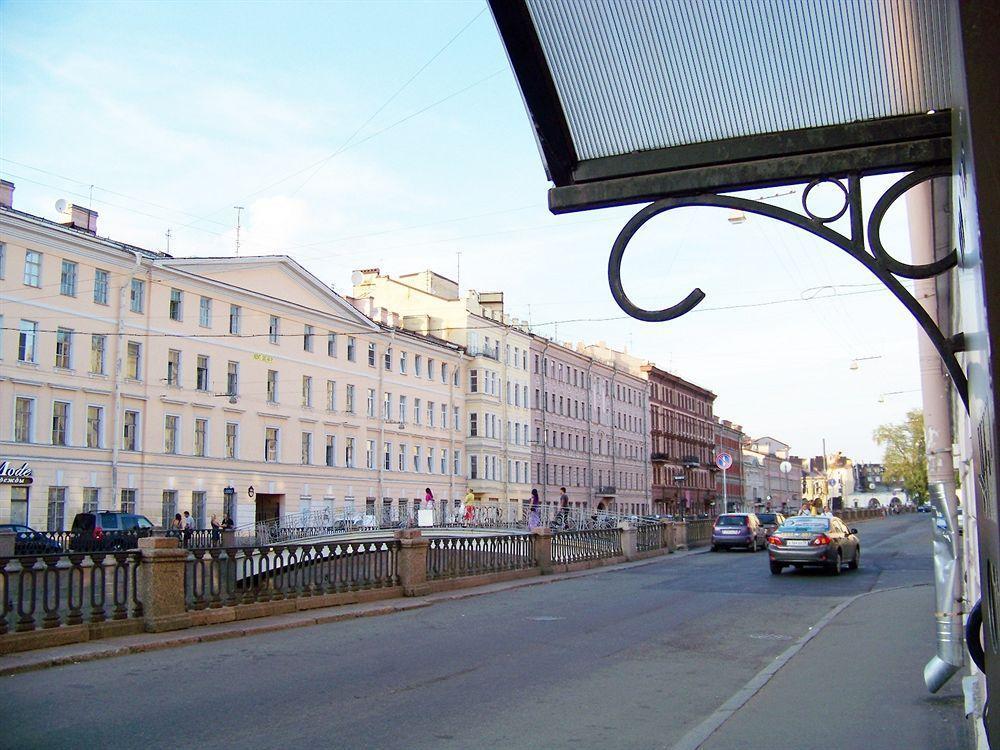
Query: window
(56, 512)
(176, 300)
(387, 359)
(371, 354)
(128, 501)
(473, 381)
(455, 418)
(444, 416)
(168, 507)
(273, 329)
(130, 431)
(232, 440)
(60, 422)
(19, 504)
(444, 460)
(350, 399)
(331, 395)
(307, 448)
(234, 319)
(473, 467)
(3, 260)
(24, 419)
(430, 413)
(64, 344)
(371, 404)
(170, 427)
(67, 279)
(430, 369)
(200, 436)
(387, 456)
(401, 458)
(198, 508)
(473, 424)
(101, 287)
(91, 501)
(331, 450)
(349, 452)
(32, 268)
(352, 349)
(133, 360)
(137, 296)
(370, 454)
(402, 362)
(416, 411)
(417, 455)
(402, 409)
(331, 345)
(95, 426)
(205, 312)
(233, 379)
(201, 373)
(173, 367)
(98, 353)
(272, 386)
(307, 389)
(456, 463)
(444, 374)
(387, 406)
(418, 365)
(307, 339)
(271, 444)
(27, 339)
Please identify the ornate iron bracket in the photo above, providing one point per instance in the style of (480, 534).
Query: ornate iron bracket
(884, 267)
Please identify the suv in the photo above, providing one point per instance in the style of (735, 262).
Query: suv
(738, 530)
(108, 530)
(770, 521)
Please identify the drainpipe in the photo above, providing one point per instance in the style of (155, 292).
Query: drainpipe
(614, 464)
(116, 391)
(545, 437)
(451, 433)
(590, 439)
(646, 475)
(948, 572)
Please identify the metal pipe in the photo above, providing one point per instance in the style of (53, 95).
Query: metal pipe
(950, 654)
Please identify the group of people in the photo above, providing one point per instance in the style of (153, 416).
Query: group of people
(182, 526)
(469, 504)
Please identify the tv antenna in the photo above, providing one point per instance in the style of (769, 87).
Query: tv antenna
(169, 235)
(239, 211)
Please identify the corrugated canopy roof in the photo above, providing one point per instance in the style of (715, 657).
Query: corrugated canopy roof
(617, 89)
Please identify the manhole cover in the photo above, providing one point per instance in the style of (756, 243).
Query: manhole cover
(771, 637)
(545, 618)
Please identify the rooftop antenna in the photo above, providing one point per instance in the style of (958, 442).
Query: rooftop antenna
(239, 211)
(169, 235)
(458, 271)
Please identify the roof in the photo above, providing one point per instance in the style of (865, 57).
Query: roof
(634, 101)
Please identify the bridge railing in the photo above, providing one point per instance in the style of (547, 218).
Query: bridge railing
(582, 545)
(456, 557)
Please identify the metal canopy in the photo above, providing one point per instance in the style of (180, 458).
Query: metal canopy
(634, 101)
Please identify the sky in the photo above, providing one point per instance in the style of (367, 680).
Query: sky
(361, 134)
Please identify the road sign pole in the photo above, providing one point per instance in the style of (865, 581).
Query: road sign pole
(725, 495)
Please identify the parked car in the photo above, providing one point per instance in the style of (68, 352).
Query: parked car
(822, 541)
(925, 508)
(738, 530)
(108, 530)
(31, 542)
(770, 521)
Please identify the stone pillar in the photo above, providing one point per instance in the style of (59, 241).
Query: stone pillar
(161, 584)
(413, 562)
(669, 537)
(680, 535)
(543, 549)
(7, 539)
(630, 540)
(229, 537)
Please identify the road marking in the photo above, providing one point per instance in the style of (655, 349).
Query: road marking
(697, 736)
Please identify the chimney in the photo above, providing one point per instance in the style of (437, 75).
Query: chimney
(6, 194)
(82, 218)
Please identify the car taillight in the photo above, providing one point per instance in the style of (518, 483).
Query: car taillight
(775, 540)
(821, 540)
(98, 532)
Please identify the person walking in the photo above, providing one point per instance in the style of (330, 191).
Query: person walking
(563, 506)
(176, 526)
(428, 498)
(470, 504)
(188, 528)
(216, 529)
(534, 517)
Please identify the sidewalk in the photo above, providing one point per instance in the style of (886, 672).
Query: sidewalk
(845, 688)
(105, 648)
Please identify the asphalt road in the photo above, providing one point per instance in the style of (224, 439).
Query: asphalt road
(630, 658)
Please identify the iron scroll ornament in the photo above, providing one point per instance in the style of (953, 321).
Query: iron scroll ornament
(882, 265)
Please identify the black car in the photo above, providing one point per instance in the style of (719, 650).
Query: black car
(31, 542)
(108, 530)
(770, 521)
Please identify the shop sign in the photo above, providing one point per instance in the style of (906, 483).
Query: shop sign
(10, 474)
(263, 357)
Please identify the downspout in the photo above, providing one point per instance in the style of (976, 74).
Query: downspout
(451, 433)
(116, 390)
(614, 464)
(504, 423)
(590, 438)
(646, 475)
(948, 572)
(545, 437)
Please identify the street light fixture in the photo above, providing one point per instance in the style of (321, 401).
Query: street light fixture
(854, 362)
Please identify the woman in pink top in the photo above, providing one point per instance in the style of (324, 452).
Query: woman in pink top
(428, 498)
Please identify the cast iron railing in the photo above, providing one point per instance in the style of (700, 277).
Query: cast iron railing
(648, 537)
(591, 544)
(456, 557)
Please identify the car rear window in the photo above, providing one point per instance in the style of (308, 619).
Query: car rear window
(806, 523)
(109, 521)
(767, 517)
(83, 522)
(731, 521)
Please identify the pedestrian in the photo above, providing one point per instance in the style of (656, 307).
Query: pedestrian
(216, 529)
(534, 518)
(428, 498)
(176, 526)
(470, 504)
(188, 528)
(563, 506)
(227, 522)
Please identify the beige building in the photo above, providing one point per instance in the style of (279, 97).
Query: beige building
(132, 380)
(496, 380)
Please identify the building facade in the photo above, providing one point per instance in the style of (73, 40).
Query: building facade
(136, 381)
(683, 444)
(729, 483)
(497, 465)
(590, 420)
(777, 490)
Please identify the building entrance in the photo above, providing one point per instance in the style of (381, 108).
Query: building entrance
(268, 507)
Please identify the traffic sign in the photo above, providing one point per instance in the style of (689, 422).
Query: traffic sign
(724, 460)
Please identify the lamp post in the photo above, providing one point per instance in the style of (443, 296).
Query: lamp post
(784, 467)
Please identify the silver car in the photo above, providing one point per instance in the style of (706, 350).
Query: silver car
(822, 541)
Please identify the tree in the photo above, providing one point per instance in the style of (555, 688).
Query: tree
(905, 454)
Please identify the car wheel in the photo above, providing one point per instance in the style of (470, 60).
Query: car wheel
(856, 562)
(753, 545)
(776, 568)
(835, 570)
(715, 548)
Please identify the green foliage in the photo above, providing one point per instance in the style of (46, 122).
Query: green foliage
(905, 454)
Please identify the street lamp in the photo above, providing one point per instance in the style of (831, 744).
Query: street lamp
(854, 362)
(784, 467)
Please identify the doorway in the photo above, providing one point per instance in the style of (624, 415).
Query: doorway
(268, 507)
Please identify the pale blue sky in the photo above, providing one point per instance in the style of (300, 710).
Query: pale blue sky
(306, 114)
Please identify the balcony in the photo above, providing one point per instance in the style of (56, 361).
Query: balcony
(659, 457)
(607, 489)
(691, 462)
